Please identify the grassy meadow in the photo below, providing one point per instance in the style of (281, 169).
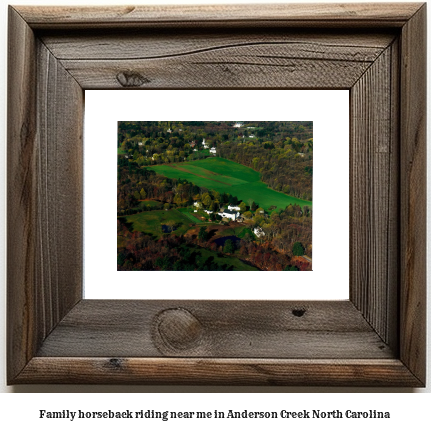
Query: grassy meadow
(223, 175)
(151, 222)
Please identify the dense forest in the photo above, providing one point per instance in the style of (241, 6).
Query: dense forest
(181, 222)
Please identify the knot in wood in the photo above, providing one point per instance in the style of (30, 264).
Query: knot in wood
(178, 329)
(131, 79)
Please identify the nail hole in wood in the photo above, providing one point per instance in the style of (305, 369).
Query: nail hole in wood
(298, 312)
(115, 363)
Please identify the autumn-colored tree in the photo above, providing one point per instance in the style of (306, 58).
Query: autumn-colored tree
(206, 199)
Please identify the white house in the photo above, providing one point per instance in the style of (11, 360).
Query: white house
(213, 150)
(258, 232)
(229, 214)
(197, 204)
(208, 211)
(230, 207)
(251, 136)
(238, 125)
(140, 143)
(205, 145)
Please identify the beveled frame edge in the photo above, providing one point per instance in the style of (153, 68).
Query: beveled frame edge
(27, 295)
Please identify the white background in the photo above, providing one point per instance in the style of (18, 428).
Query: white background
(329, 111)
(21, 410)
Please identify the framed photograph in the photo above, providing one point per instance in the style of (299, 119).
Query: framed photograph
(375, 337)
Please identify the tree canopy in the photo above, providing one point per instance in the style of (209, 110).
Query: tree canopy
(298, 249)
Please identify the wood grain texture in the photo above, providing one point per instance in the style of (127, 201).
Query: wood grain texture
(44, 195)
(228, 72)
(227, 60)
(322, 15)
(413, 194)
(374, 194)
(59, 243)
(241, 329)
(392, 300)
(55, 337)
(204, 59)
(21, 194)
(198, 371)
(147, 44)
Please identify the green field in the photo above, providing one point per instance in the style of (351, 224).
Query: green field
(223, 175)
(152, 204)
(237, 264)
(151, 222)
(188, 213)
(238, 231)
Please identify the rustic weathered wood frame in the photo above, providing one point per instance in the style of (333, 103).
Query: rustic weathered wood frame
(377, 338)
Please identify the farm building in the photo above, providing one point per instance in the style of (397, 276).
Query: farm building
(213, 150)
(229, 214)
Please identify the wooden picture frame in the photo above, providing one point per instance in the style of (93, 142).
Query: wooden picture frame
(376, 338)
